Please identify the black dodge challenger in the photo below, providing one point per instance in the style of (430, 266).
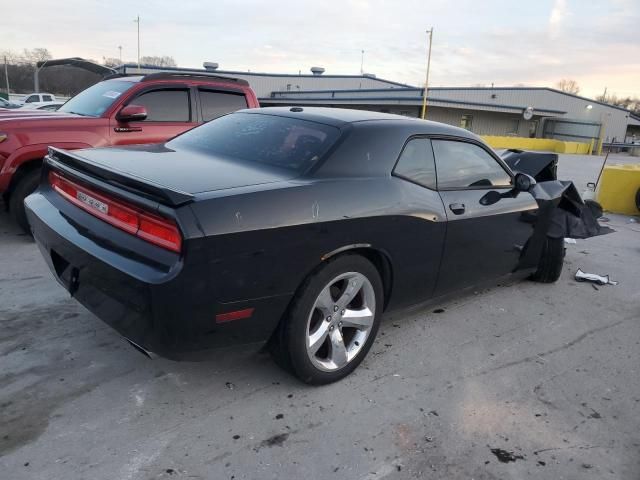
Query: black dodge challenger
(296, 226)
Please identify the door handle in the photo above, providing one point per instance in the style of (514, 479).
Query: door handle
(457, 208)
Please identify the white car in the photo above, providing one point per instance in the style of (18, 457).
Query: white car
(36, 99)
(50, 106)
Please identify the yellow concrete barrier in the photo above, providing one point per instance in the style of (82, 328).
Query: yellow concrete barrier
(546, 144)
(617, 188)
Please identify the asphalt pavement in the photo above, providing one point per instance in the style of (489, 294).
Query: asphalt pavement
(521, 380)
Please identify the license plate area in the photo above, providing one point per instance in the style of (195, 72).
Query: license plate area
(93, 202)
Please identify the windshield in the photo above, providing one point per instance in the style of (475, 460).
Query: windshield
(282, 142)
(95, 100)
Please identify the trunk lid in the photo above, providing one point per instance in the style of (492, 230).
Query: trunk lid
(178, 170)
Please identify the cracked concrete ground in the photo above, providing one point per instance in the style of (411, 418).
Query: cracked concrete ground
(548, 376)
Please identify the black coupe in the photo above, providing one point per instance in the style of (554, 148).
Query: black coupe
(292, 226)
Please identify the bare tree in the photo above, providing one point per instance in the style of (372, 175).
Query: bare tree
(568, 86)
(630, 103)
(36, 55)
(111, 61)
(163, 61)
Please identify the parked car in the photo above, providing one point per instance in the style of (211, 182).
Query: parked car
(36, 99)
(6, 104)
(118, 111)
(49, 106)
(294, 226)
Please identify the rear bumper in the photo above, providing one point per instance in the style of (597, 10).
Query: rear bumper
(168, 311)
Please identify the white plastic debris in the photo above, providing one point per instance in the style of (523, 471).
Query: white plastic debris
(595, 278)
(571, 241)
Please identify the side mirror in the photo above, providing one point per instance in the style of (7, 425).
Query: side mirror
(132, 113)
(523, 182)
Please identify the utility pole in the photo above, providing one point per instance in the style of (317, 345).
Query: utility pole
(6, 75)
(362, 63)
(604, 95)
(120, 48)
(426, 82)
(36, 76)
(137, 20)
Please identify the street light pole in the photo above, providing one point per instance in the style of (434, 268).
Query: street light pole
(426, 83)
(36, 76)
(362, 63)
(120, 48)
(137, 20)
(6, 75)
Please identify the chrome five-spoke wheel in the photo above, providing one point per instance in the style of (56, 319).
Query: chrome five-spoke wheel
(340, 321)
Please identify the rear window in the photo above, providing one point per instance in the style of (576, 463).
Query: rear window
(282, 142)
(95, 100)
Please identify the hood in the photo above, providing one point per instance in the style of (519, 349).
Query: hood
(184, 170)
(22, 114)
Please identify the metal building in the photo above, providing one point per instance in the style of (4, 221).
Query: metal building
(511, 111)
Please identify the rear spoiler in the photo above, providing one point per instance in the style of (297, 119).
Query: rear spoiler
(77, 165)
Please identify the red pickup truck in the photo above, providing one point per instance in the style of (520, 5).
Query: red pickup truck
(120, 110)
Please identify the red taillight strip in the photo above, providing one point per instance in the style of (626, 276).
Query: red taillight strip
(152, 228)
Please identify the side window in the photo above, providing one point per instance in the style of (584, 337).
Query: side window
(32, 99)
(165, 105)
(416, 163)
(47, 98)
(216, 104)
(464, 165)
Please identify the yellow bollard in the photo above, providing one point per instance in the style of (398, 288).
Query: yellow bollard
(618, 187)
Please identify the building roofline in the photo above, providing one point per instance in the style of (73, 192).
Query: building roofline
(413, 99)
(350, 90)
(590, 100)
(262, 74)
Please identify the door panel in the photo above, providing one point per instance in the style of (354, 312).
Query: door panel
(169, 113)
(483, 242)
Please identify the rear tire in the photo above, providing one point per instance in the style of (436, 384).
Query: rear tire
(551, 261)
(25, 187)
(332, 321)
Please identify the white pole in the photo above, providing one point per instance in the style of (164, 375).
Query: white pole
(137, 20)
(6, 75)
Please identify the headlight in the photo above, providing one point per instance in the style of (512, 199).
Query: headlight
(3, 137)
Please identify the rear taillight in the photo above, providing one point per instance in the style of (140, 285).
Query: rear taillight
(152, 228)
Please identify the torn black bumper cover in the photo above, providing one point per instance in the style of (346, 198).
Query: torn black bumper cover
(561, 211)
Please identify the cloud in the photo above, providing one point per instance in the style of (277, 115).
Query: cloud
(474, 43)
(558, 15)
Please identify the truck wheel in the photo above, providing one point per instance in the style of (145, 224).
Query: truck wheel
(25, 187)
(551, 261)
(332, 322)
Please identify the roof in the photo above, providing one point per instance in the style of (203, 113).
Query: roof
(339, 117)
(549, 89)
(77, 62)
(261, 74)
(408, 96)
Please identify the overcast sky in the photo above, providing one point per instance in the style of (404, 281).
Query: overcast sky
(534, 43)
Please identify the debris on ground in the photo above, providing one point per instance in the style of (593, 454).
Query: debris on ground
(594, 277)
(505, 456)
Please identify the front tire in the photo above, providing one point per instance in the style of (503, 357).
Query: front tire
(332, 322)
(551, 261)
(25, 187)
